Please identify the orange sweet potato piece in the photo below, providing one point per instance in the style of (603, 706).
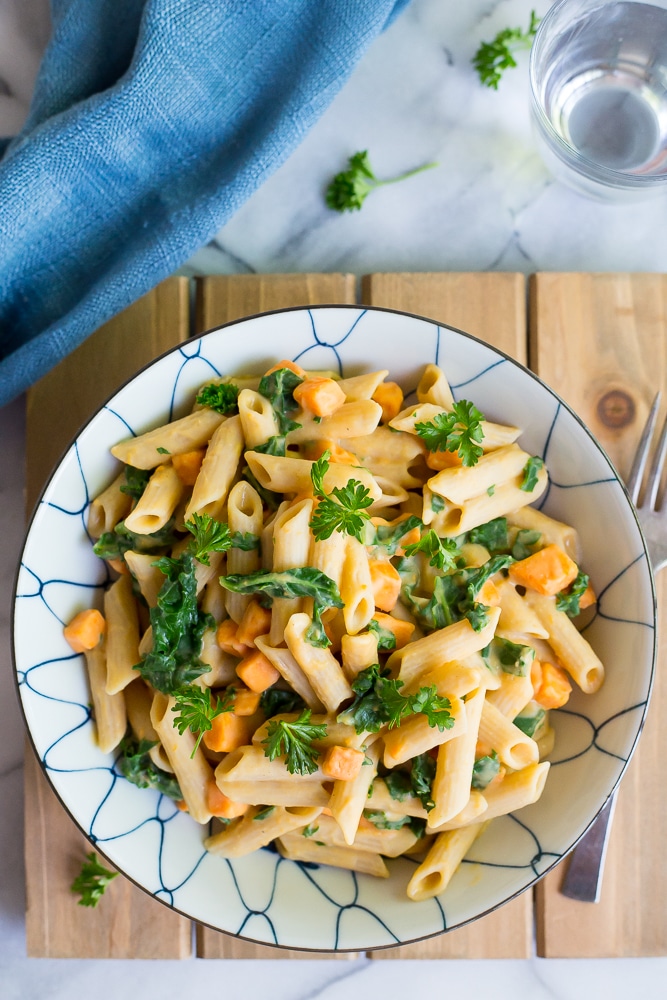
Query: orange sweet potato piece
(389, 395)
(439, 460)
(402, 630)
(547, 571)
(187, 465)
(220, 805)
(315, 449)
(256, 621)
(555, 688)
(257, 672)
(246, 702)
(226, 637)
(386, 584)
(320, 396)
(293, 367)
(85, 630)
(587, 598)
(342, 763)
(229, 731)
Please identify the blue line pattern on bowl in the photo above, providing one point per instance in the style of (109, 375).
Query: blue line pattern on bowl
(144, 834)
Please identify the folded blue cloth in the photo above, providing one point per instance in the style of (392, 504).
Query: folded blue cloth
(152, 122)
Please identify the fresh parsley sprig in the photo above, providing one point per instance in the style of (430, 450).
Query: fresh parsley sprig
(442, 552)
(219, 396)
(198, 708)
(460, 431)
(492, 58)
(349, 189)
(294, 741)
(379, 702)
(214, 536)
(92, 881)
(343, 510)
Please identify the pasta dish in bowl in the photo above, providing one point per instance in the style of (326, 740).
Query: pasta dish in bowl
(341, 661)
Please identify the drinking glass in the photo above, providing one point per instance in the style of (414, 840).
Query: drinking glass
(598, 75)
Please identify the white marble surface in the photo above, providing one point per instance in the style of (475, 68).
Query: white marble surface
(489, 205)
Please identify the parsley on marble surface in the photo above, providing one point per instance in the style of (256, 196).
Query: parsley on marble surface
(492, 58)
(349, 189)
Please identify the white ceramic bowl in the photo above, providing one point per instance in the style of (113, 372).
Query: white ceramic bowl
(263, 897)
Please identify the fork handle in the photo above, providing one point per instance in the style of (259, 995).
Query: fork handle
(583, 879)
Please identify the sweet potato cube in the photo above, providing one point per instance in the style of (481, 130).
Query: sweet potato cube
(342, 763)
(257, 672)
(386, 584)
(256, 621)
(389, 396)
(320, 396)
(220, 805)
(547, 571)
(85, 630)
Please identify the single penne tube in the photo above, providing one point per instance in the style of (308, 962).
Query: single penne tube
(349, 798)
(361, 386)
(358, 652)
(257, 828)
(388, 843)
(351, 420)
(291, 548)
(456, 520)
(296, 847)
(381, 800)
(292, 475)
(512, 695)
(328, 555)
(516, 614)
(258, 418)
(516, 790)
(122, 642)
(282, 659)
(496, 732)
(194, 773)
(452, 643)
(138, 702)
(157, 503)
(474, 809)
(356, 588)
(247, 775)
(385, 445)
(149, 578)
(460, 482)
(223, 666)
(245, 515)
(551, 530)
(433, 387)
(493, 435)
(218, 470)
(457, 679)
(318, 664)
(451, 784)
(108, 508)
(573, 651)
(415, 736)
(108, 709)
(176, 438)
(445, 855)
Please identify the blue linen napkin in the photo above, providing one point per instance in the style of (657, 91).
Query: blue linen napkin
(152, 122)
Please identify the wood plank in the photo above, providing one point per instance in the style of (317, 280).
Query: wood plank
(601, 341)
(129, 924)
(490, 306)
(221, 299)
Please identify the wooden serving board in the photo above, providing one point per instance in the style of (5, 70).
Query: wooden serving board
(600, 341)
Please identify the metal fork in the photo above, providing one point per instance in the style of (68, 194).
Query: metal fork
(583, 879)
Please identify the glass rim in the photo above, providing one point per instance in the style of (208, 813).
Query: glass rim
(615, 178)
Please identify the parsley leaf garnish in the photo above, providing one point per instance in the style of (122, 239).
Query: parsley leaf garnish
(221, 397)
(198, 708)
(379, 702)
(214, 536)
(349, 189)
(442, 552)
(460, 431)
(343, 510)
(568, 601)
(493, 57)
(136, 765)
(530, 473)
(92, 881)
(294, 740)
(310, 830)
